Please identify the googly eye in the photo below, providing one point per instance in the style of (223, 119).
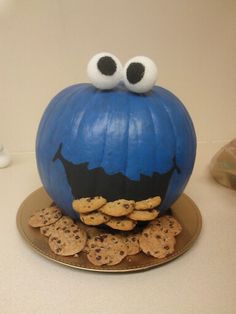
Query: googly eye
(104, 70)
(140, 74)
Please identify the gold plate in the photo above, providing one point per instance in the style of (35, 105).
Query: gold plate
(183, 209)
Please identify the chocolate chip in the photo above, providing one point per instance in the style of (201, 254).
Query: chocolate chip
(45, 222)
(58, 250)
(122, 253)
(77, 237)
(97, 250)
(158, 236)
(126, 206)
(166, 247)
(145, 234)
(98, 257)
(59, 241)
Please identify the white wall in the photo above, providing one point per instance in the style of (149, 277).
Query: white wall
(46, 44)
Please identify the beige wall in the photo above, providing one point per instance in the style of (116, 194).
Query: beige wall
(45, 46)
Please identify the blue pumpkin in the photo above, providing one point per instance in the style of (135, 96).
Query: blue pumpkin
(116, 144)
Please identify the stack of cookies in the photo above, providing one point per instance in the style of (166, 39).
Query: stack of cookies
(119, 215)
(69, 238)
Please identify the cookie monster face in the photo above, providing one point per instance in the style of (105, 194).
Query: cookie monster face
(131, 140)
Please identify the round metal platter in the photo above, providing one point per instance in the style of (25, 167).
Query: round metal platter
(184, 209)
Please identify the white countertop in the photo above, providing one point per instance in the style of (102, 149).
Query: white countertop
(203, 280)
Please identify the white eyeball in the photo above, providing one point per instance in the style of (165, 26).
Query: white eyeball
(140, 74)
(104, 70)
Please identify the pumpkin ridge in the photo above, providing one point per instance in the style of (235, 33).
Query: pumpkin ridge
(96, 178)
(72, 97)
(48, 117)
(154, 131)
(159, 103)
(145, 159)
(185, 115)
(48, 111)
(84, 113)
(171, 123)
(127, 146)
(105, 133)
(187, 121)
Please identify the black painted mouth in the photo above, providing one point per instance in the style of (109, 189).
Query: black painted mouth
(86, 182)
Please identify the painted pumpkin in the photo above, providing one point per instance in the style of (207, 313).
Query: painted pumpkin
(116, 144)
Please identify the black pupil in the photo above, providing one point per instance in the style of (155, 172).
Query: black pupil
(135, 72)
(106, 65)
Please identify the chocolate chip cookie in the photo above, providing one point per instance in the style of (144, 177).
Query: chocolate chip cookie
(67, 241)
(168, 224)
(118, 208)
(45, 217)
(156, 243)
(95, 218)
(106, 249)
(123, 224)
(62, 222)
(149, 203)
(132, 243)
(88, 204)
(144, 215)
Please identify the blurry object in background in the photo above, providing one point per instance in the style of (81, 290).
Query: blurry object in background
(5, 158)
(223, 165)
